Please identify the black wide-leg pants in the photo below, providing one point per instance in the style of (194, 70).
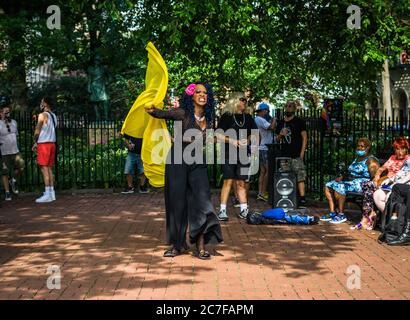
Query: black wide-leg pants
(188, 201)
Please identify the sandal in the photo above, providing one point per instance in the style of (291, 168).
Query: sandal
(203, 254)
(372, 223)
(171, 253)
(358, 226)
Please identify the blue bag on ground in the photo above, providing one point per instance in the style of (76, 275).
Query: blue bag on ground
(280, 216)
(274, 213)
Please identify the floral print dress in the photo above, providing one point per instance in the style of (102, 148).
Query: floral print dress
(358, 172)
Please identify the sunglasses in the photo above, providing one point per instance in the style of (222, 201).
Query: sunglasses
(8, 127)
(243, 99)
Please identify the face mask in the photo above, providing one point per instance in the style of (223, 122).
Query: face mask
(289, 113)
(360, 153)
(7, 116)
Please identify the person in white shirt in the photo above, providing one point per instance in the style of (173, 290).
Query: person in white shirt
(266, 135)
(12, 162)
(45, 146)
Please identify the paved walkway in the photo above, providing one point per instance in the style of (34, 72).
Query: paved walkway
(110, 247)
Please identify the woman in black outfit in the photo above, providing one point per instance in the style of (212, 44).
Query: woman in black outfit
(187, 191)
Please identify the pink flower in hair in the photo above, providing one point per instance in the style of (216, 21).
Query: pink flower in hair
(190, 90)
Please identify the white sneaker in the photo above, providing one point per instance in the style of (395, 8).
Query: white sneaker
(53, 195)
(222, 215)
(44, 198)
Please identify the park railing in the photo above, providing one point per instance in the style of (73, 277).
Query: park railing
(91, 154)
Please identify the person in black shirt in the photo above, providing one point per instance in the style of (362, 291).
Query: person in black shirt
(235, 169)
(291, 132)
(188, 204)
(134, 146)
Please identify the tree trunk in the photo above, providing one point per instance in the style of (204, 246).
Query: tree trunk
(386, 95)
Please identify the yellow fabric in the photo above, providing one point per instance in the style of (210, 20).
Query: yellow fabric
(140, 124)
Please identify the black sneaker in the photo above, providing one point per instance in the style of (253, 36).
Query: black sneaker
(13, 186)
(8, 196)
(302, 202)
(243, 214)
(144, 189)
(128, 190)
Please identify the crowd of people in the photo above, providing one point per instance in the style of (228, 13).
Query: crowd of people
(191, 219)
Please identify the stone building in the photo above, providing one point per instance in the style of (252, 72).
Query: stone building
(399, 89)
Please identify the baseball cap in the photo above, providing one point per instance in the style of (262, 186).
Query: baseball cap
(262, 106)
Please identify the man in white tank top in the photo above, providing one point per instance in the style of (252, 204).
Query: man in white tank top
(45, 145)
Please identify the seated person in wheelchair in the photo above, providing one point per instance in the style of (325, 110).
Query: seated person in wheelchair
(372, 188)
(361, 170)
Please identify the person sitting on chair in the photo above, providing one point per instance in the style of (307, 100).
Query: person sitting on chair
(361, 170)
(382, 194)
(390, 167)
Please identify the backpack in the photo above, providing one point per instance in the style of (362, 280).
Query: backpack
(279, 216)
(391, 229)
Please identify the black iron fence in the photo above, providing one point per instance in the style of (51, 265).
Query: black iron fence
(91, 154)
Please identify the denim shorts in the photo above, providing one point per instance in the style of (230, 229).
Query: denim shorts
(263, 157)
(133, 160)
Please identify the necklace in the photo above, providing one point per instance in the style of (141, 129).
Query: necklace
(200, 119)
(240, 124)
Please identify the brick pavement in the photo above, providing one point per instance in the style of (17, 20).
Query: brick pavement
(110, 247)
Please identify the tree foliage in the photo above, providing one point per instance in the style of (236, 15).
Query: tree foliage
(271, 46)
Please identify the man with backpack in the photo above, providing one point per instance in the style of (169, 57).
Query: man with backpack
(45, 145)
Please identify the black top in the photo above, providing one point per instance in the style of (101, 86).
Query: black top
(137, 142)
(182, 115)
(292, 143)
(242, 124)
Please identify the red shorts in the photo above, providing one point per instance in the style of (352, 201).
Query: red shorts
(46, 153)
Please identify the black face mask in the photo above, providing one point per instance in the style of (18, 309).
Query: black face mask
(289, 113)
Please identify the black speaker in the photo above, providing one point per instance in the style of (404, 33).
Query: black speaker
(274, 151)
(284, 194)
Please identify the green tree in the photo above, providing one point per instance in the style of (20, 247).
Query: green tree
(270, 45)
